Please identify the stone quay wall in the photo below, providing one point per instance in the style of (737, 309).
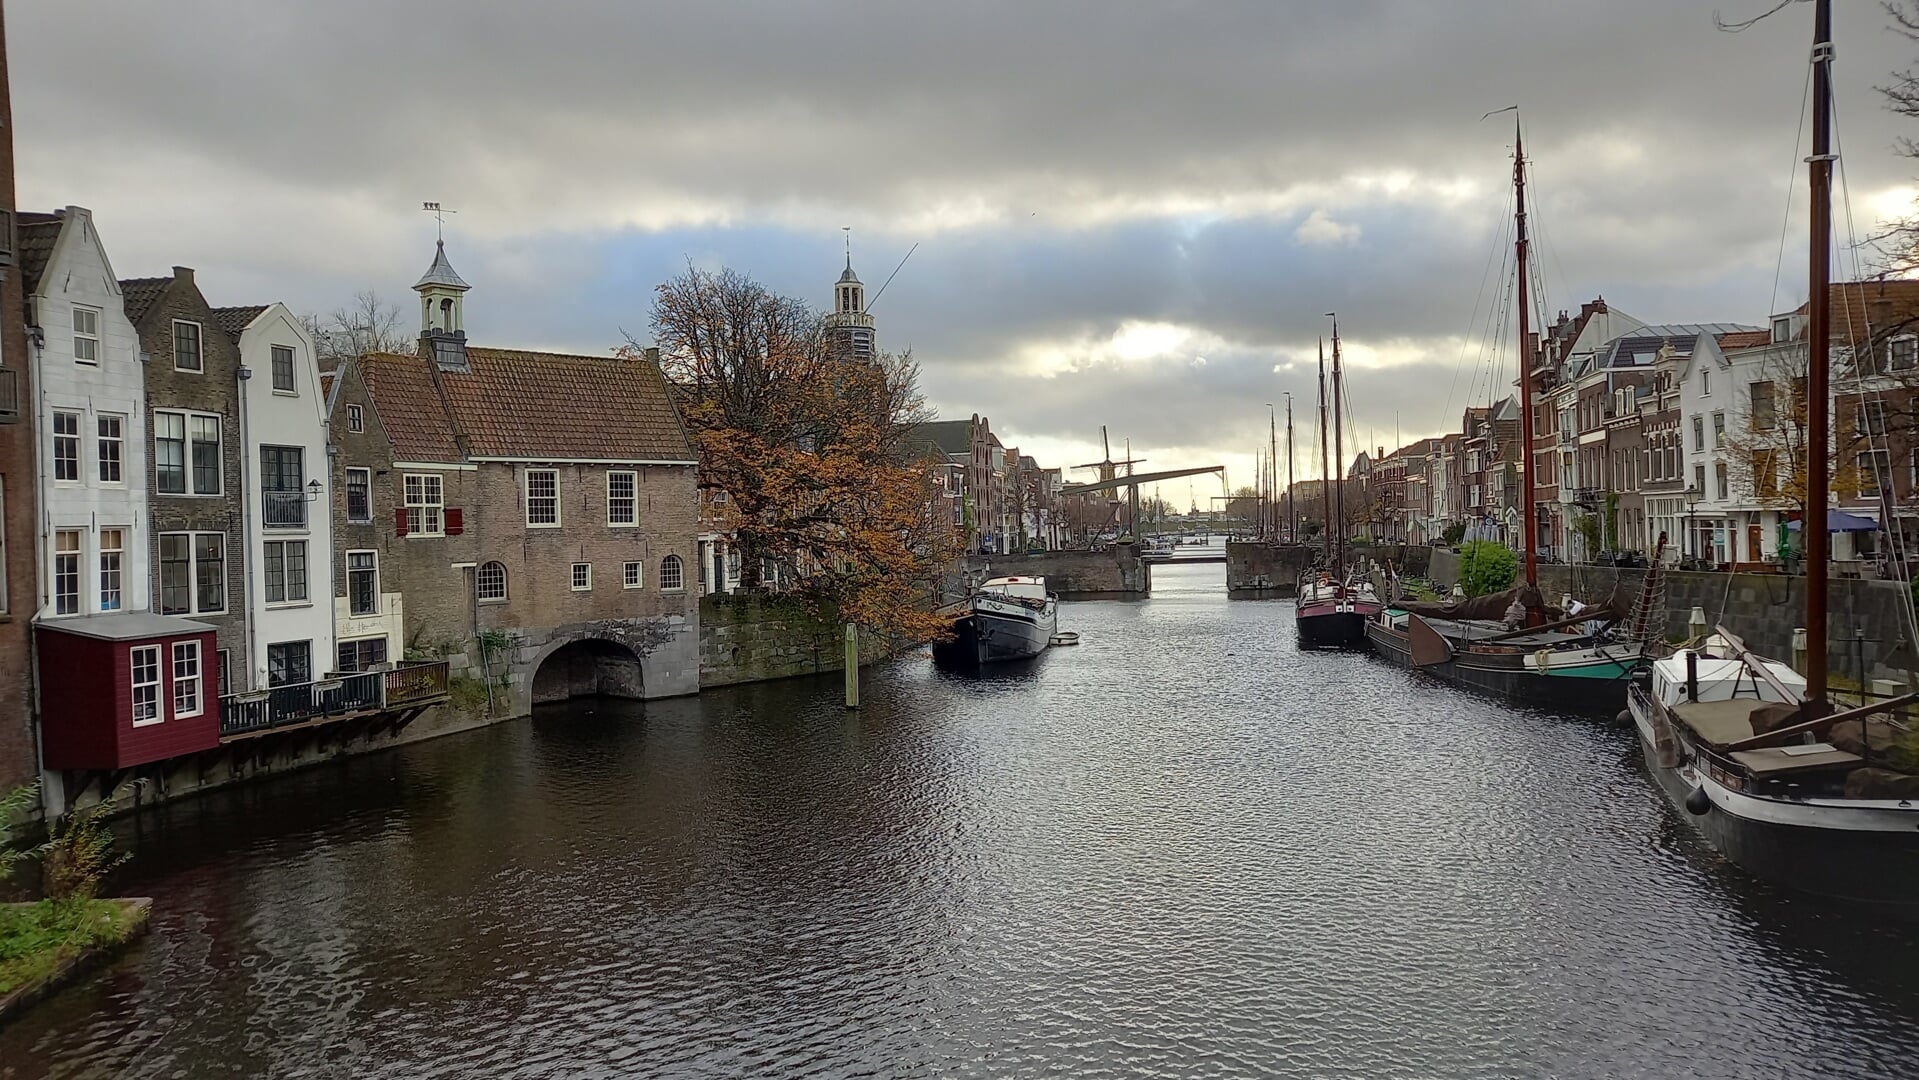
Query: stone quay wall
(1256, 571)
(746, 639)
(1116, 572)
(1763, 609)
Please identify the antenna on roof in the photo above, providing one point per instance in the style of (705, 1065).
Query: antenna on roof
(439, 219)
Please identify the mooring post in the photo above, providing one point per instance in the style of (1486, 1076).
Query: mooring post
(852, 666)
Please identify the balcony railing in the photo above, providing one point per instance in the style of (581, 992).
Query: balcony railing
(286, 509)
(9, 395)
(339, 696)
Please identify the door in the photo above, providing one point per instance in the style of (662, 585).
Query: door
(1753, 535)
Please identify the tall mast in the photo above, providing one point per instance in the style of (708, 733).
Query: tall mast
(1292, 511)
(1339, 451)
(1529, 511)
(1325, 490)
(1272, 470)
(1818, 340)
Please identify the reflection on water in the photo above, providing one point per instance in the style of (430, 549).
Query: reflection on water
(1178, 849)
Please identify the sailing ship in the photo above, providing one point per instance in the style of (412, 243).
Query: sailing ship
(1511, 643)
(1333, 604)
(1778, 782)
(1005, 618)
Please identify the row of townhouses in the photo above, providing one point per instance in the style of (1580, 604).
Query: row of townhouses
(1693, 432)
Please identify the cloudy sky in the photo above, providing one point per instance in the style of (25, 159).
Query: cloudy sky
(1132, 214)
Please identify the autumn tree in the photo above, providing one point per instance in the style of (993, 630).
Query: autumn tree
(1766, 439)
(811, 450)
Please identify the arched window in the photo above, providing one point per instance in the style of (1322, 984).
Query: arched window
(670, 574)
(490, 582)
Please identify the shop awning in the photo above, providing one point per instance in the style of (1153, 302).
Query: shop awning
(1840, 521)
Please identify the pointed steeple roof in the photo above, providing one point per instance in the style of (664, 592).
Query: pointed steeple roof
(848, 274)
(441, 272)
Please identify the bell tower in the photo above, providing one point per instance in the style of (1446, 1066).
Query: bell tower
(848, 327)
(442, 315)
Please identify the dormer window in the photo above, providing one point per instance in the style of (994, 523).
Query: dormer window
(1782, 329)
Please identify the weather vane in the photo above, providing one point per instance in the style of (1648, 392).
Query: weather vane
(439, 219)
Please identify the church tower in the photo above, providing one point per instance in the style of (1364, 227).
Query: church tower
(442, 320)
(849, 329)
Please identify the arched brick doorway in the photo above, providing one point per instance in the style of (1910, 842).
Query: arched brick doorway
(586, 668)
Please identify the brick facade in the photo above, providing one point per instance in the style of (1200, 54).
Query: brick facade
(212, 389)
(18, 573)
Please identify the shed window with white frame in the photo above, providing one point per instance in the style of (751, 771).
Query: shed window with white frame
(144, 660)
(187, 699)
(582, 577)
(634, 574)
(425, 504)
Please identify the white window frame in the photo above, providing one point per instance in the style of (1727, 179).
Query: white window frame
(293, 369)
(117, 570)
(75, 559)
(632, 499)
(193, 574)
(86, 341)
(527, 497)
(1705, 382)
(152, 687)
(200, 346)
(119, 441)
(428, 500)
(1718, 430)
(188, 442)
(373, 567)
(633, 574)
(71, 441)
(479, 583)
(266, 569)
(1892, 352)
(367, 476)
(186, 658)
(678, 577)
(355, 418)
(582, 577)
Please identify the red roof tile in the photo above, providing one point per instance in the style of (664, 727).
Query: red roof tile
(520, 404)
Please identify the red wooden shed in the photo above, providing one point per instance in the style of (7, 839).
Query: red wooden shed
(125, 689)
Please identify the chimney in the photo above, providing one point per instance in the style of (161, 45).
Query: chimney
(183, 273)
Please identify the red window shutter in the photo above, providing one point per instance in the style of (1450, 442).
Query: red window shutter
(455, 521)
(399, 521)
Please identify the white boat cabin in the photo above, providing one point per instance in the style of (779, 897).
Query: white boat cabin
(1017, 588)
(1721, 679)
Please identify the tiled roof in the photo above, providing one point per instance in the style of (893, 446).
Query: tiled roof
(1745, 339)
(1867, 310)
(138, 295)
(235, 320)
(37, 233)
(518, 404)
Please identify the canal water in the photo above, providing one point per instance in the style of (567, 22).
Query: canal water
(1181, 849)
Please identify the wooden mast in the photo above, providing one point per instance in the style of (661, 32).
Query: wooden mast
(1529, 512)
(1339, 456)
(1818, 340)
(1292, 511)
(1325, 493)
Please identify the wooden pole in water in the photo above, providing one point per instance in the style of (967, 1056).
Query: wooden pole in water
(852, 666)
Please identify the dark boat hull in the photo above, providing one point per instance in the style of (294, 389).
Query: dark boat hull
(1876, 869)
(1507, 676)
(1332, 629)
(990, 639)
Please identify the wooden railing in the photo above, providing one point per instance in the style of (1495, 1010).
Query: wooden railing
(340, 695)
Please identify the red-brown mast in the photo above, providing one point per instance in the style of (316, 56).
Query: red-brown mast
(1325, 491)
(1812, 527)
(1529, 511)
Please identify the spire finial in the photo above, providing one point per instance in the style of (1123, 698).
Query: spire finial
(848, 230)
(439, 220)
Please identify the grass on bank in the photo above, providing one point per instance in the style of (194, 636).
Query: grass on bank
(36, 938)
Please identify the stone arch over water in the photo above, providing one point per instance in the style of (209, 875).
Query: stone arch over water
(586, 666)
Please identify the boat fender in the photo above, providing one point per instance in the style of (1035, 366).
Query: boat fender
(1623, 718)
(1698, 803)
(1543, 660)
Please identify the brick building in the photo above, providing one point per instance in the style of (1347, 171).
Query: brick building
(17, 515)
(198, 536)
(549, 498)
